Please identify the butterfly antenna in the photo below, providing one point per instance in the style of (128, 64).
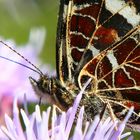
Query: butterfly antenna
(38, 70)
(20, 64)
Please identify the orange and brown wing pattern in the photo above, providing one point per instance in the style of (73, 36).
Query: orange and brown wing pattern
(87, 27)
(77, 22)
(99, 39)
(116, 73)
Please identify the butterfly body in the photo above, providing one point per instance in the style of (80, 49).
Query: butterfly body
(97, 39)
(52, 92)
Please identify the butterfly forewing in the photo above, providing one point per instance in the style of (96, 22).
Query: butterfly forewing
(80, 14)
(92, 26)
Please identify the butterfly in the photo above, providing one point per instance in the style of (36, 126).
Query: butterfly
(97, 39)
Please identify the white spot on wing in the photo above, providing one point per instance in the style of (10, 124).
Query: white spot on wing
(112, 60)
(127, 12)
(82, 15)
(79, 7)
(79, 33)
(94, 50)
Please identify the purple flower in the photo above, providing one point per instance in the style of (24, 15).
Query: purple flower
(37, 126)
(13, 77)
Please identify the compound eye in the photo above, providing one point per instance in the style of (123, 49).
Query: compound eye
(46, 85)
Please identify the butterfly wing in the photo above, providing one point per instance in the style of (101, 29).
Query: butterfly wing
(73, 36)
(116, 75)
(85, 28)
(100, 39)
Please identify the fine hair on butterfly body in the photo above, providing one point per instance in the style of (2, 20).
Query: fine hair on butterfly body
(97, 39)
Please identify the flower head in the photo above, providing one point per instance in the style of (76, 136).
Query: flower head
(37, 126)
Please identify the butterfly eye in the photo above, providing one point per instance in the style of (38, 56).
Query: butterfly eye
(43, 85)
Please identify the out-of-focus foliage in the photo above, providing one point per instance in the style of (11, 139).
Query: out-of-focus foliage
(17, 17)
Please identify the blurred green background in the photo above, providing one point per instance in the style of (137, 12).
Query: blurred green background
(17, 17)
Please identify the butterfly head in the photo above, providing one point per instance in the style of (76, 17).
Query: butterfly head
(42, 88)
(52, 92)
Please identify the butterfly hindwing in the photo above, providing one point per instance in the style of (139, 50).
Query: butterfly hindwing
(116, 74)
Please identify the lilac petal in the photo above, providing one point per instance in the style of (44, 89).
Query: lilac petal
(86, 129)
(14, 128)
(16, 121)
(62, 126)
(99, 132)
(107, 123)
(92, 128)
(3, 136)
(38, 113)
(111, 130)
(25, 118)
(10, 126)
(59, 134)
(53, 119)
(63, 121)
(29, 128)
(80, 118)
(38, 121)
(68, 113)
(78, 130)
(7, 133)
(131, 110)
(125, 135)
(122, 125)
(106, 128)
(45, 120)
(74, 109)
